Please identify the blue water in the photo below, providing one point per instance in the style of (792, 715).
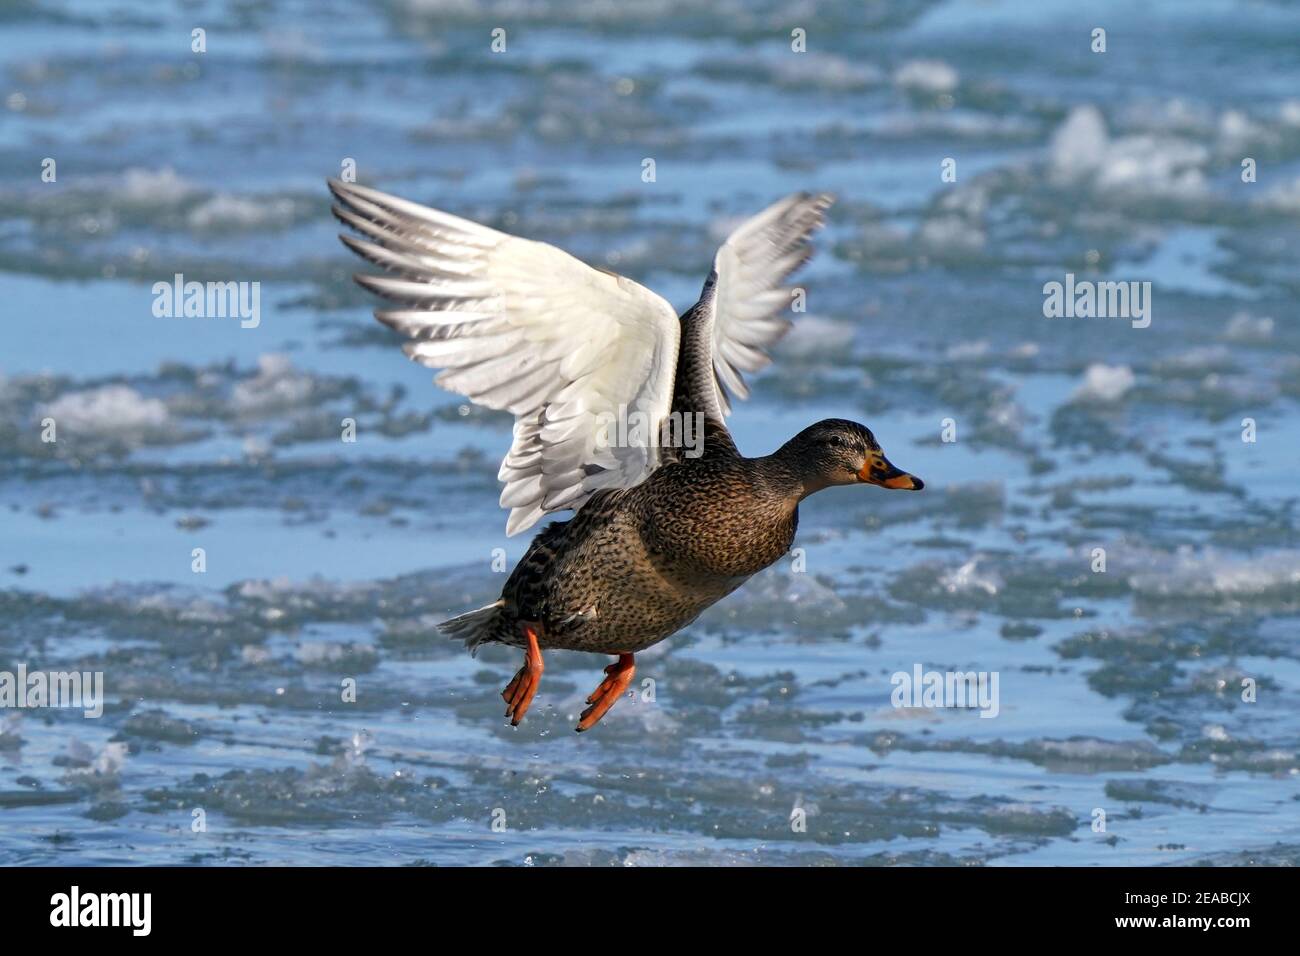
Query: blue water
(770, 736)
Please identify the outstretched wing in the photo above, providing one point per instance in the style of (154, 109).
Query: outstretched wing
(523, 326)
(738, 317)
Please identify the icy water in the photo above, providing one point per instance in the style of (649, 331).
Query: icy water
(770, 736)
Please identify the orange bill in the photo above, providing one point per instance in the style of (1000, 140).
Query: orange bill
(878, 470)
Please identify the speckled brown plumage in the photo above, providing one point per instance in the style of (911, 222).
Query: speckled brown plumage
(636, 565)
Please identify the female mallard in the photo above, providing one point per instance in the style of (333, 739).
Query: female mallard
(663, 527)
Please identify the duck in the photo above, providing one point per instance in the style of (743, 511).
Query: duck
(620, 410)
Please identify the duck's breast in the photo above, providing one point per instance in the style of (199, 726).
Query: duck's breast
(713, 524)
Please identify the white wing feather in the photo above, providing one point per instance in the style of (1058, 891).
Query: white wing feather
(745, 290)
(523, 326)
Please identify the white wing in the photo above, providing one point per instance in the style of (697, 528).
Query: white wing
(526, 327)
(744, 295)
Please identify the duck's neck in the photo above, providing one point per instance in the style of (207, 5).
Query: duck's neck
(784, 477)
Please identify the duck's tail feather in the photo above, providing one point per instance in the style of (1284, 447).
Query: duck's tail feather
(475, 627)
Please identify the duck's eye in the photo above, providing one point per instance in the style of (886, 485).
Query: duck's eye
(838, 441)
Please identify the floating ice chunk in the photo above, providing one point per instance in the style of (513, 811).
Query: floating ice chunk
(255, 447)
(277, 386)
(818, 337)
(968, 578)
(1079, 147)
(1093, 752)
(326, 653)
(967, 351)
(254, 654)
(1285, 197)
(951, 236)
(1104, 383)
(1239, 133)
(1212, 573)
(161, 187)
(1082, 150)
(273, 365)
(1244, 327)
(354, 757)
(1197, 361)
(112, 410)
(827, 71)
(932, 77)
(281, 588)
(1234, 124)
(1176, 114)
(84, 762)
(1289, 113)
(231, 213)
(1146, 164)
(111, 759)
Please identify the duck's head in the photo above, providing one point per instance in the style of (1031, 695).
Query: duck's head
(840, 452)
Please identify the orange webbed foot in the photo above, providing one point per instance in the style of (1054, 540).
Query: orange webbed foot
(519, 692)
(617, 676)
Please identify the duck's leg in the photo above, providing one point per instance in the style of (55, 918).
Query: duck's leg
(519, 692)
(617, 676)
